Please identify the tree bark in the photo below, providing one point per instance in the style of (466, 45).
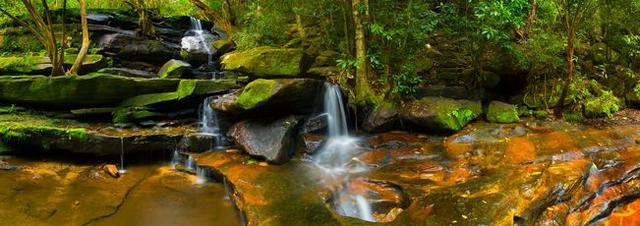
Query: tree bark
(364, 92)
(570, 70)
(85, 39)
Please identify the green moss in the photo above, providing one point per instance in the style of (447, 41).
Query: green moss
(500, 112)
(256, 93)
(18, 131)
(442, 114)
(268, 62)
(173, 69)
(133, 114)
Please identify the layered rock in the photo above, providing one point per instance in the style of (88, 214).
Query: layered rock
(268, 62)
(42, 65)
(441, 114)
(173, 69)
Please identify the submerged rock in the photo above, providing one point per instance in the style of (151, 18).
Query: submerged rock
(272, 140)
(500, 112)
(173, 69)
(441, 114)
(272, 97)
(111, 170)
(268, 62)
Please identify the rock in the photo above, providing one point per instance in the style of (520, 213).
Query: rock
(134, 48)
(272, 97)
(324, 71)
(268, 62)
(39, 133)
(272, 140)
(223, 46)
(134, 114)
(42, 65)
(186, 88)
(94, 90)
(315, 124)
(440, 114)
(382, 118)
(197, 47)
(310, 143)
(173, 69)
(111, 170)
(326, 58)
(127, 72)
(500, 112)
(383, 196)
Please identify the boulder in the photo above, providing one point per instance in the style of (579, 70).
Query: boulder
(196, 47)
(268, 62)
(271, 140)
(310, 143)
(133, 48)
(272, 97)
(500, 112)
(173, 69)
(382, 118)
(315, 124)
(440, 114)
(223, 46)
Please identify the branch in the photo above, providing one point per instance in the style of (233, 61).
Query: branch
(24, 24)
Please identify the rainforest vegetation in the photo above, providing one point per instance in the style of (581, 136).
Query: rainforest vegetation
(320, 112)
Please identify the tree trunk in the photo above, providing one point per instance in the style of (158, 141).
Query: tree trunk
(144, 20)
(570, 70)
(348, 28)
(364, 92)
(531, 17)
(85, 39)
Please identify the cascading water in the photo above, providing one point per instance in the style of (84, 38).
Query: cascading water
(210, 125)
(198, 40)
(122, 170)
(334, 157)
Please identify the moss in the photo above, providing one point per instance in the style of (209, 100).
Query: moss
(18, 131)
(442, 114)
(133, 114)
(500, 112)
(173, 69)
(268, 62)
(256, 93)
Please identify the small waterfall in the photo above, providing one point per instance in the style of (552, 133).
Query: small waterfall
(196, 27)
(176, 159)
(122, 170)
(191, 164)
(210, 125)
(202, 175)
(334, 157)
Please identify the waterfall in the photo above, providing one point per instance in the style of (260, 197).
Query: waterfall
(176, 159)
(210, 125)
(122, 170)
(202, 175)
(191, 164)
(200, 34)
(334, 157)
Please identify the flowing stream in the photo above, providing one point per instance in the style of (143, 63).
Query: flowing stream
(334, 157)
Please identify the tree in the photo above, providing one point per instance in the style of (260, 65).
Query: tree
(575, 12)
(42, 29)
(363, 91)
(223, 17)
(85, 39)
(144, 17)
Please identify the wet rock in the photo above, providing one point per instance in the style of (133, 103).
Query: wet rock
(383, 197)
(381, 119)
(315, 124)
(174, 69)
(197, 47)
(440, 114)
(127, 72)
(111, 170)
(272, 97)
(272, 140)
(268, 62)
(223, 46)
(312, 142)
(500, 112)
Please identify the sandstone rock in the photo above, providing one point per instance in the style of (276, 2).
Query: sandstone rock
(111, 170)
(272, 140)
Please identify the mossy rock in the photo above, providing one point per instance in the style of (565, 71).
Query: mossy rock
(268, 62)
(78, 91)
(186, 88)
(441, 114)
(500, 112)
(173, 69)
(223, 46)
(274, 97)
(134, 114)
(42, 64)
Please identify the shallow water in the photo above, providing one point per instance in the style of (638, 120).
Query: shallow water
(67, 193)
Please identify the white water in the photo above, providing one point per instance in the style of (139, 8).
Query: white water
(122, 170)
(202, 175)
(191, 164)
(210, 125)
(199, 40)
(338, 151)
(176, 159)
